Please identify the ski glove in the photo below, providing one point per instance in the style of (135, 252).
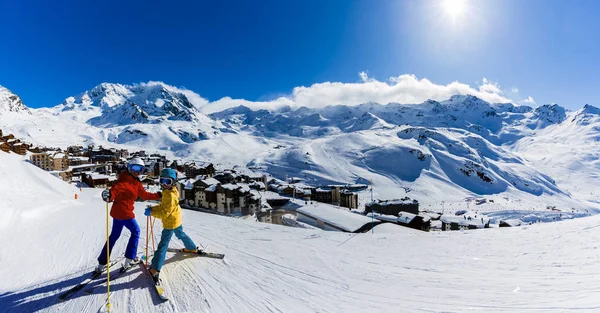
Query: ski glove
(106, 195)
(148, 211)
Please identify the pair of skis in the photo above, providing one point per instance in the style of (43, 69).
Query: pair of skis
(157, 285)
(160, 290)
(93, 276)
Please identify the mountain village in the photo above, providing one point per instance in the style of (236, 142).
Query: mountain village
(250, 192)
(233, 192)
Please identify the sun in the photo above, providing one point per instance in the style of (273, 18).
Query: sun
(454, 8)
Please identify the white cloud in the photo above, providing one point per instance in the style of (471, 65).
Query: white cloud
(528, 100)
(227, 102)
(515, 90)
(194, 98)
(490, 87)
(364, 77)
(406, 89)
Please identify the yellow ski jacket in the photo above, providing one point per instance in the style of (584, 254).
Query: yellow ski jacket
(168, 210)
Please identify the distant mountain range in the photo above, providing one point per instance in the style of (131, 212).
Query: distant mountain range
(446, 150)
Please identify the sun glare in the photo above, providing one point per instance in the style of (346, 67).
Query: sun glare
(454, 7)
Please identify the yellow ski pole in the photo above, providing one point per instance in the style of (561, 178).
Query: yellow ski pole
(147, 232)
(107, 262)
(152, 233)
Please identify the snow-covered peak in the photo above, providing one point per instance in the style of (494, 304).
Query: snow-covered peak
(586, 115)
(117, 104)
(10, 102)
(551, 113)
(590, 109)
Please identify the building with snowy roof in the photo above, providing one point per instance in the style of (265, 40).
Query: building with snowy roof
(328, 217)
(195, 168)
(466, 220)
(393, 207)
(406, 219)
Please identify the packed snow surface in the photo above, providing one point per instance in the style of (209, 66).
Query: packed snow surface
(52, 240)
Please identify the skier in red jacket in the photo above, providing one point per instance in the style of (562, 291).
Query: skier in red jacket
(126, 190)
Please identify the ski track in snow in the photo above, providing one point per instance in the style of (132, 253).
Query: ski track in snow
(52, 245)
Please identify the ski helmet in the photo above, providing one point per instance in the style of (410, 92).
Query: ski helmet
(135, 165)
(169, 172)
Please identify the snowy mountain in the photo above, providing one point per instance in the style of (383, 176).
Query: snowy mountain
(120, 105)
(10, 102)
(434, 151)
(150, 114)
(51, 244)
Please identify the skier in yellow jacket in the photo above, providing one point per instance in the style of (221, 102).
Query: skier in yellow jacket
(169, 211)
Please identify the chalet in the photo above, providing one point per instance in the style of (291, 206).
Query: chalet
(177, 165)
(328, 217)
(5, 147)
(20, 148)
(195, 168)
(257, 185)
(75, 150)
(77, 160)
(393, 207)
(96, 180)
(226, 177)
(101, 155)
(7, 137)
(36, 150)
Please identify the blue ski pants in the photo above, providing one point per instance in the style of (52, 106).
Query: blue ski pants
(117, 227)
(159, 255)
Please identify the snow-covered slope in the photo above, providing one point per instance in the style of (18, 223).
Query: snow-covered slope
(569, 151)
(437, 150)
(271, 268)
(10, 102)
(28, 192)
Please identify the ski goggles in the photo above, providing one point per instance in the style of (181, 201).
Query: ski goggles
(166, 181)
(136, 168)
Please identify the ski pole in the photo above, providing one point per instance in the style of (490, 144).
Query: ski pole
(152, 234)
(107, 263)
(147, 231)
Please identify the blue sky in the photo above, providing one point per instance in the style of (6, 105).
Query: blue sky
(259, 50)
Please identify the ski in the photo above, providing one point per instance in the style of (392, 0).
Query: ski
(157, 285)
(93, 276)
(121, 271)
(201, 253)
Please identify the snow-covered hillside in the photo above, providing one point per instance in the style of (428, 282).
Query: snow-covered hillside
(435, 151)
(569, 151)
(10, 102)
(51, 244)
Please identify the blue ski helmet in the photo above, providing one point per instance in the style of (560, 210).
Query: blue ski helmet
(169, 172)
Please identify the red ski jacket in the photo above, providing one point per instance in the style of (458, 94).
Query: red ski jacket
(124, 192)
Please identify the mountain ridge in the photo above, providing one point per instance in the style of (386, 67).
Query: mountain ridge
(460, 147)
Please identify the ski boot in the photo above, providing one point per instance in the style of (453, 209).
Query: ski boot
(155, 276)
(129, 263)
